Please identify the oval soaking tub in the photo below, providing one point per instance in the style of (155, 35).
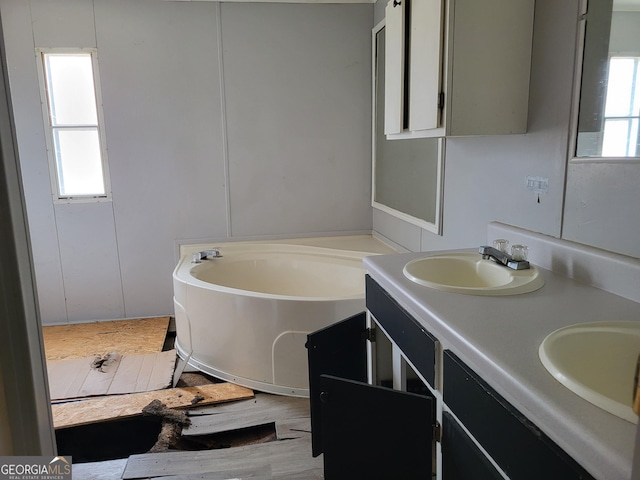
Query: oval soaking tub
(245, 317)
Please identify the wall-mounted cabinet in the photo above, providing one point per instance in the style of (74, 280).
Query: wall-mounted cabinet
(457, 67)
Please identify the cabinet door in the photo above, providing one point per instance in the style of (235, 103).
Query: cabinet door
(425, 64)
(394, 70)
(339, 350)
(461, 457)
(413, 68)
(373, 432)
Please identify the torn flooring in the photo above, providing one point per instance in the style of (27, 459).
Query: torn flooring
(266, 436)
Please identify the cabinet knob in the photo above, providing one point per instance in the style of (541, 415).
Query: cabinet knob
(324, 397)
(396, 3)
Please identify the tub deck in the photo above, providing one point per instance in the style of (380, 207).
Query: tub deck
(356, 243)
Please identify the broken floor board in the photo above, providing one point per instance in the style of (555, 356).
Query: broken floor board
(127, 337)
(259, 412)
(123, 406)
(107, 470)
(260, 402)
(283, 457)
(110, 375)
(264, 474)
(252, 417)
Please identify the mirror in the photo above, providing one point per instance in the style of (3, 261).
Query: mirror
(406, 174)
(603, 172)
(609, 110)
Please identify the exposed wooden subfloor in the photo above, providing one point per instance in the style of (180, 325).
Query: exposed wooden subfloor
(288, 457)
(127, 337)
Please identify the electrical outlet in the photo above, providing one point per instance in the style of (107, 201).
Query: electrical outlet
(537, 184)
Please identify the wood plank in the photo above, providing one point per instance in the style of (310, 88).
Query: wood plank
(130, 405)
(210, 424)
(254, 414)
(261, 401)
(144, 373)
(81, 377)
(264, 473)
(307, 474)
(127, 337)
(252, 473)
(285, 457)
(107, 470)
(293, 428)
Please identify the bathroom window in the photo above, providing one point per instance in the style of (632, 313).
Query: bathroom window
(622, 108)
(72, 114)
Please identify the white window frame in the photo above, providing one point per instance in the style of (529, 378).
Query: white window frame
(53, 164)
(629, 117)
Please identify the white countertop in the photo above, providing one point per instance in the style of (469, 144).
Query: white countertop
(498, 337)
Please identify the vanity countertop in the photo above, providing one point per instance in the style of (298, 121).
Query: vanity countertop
(499, 336)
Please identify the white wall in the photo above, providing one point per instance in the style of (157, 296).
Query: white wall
(222, 120)
(485, 176)
(298, 110)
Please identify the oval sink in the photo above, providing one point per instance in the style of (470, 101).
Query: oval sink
(469, 273)
(596, 361)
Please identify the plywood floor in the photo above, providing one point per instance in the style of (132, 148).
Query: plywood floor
(127, 337)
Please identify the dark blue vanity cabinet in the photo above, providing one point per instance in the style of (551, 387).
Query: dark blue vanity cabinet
(520, 449)
(373, 432)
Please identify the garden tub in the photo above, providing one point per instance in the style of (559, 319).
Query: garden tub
(244, 317)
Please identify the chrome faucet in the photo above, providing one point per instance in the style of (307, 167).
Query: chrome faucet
(502, 258)
(205, 255)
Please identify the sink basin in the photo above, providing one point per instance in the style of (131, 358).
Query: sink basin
(469, 273)
(596, 361)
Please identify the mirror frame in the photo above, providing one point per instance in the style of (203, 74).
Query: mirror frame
(435, 226)
(575, 101)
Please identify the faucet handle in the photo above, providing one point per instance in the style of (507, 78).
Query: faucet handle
(196, 257)
(519, 252)
(501, 244)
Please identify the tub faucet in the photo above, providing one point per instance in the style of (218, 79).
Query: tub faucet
(502, 258)
(205, 255)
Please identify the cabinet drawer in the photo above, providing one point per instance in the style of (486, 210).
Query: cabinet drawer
(516, 444)
(418, 345)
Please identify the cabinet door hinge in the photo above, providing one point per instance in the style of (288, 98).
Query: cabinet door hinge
(441, 100)
(437, 432)
(369, 334)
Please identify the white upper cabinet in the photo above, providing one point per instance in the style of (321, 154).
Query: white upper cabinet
(457, 67)
(394, 70)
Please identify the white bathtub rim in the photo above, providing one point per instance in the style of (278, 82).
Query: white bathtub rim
(243, 382)
(369, 243)
(285, 248)
(182, 272)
